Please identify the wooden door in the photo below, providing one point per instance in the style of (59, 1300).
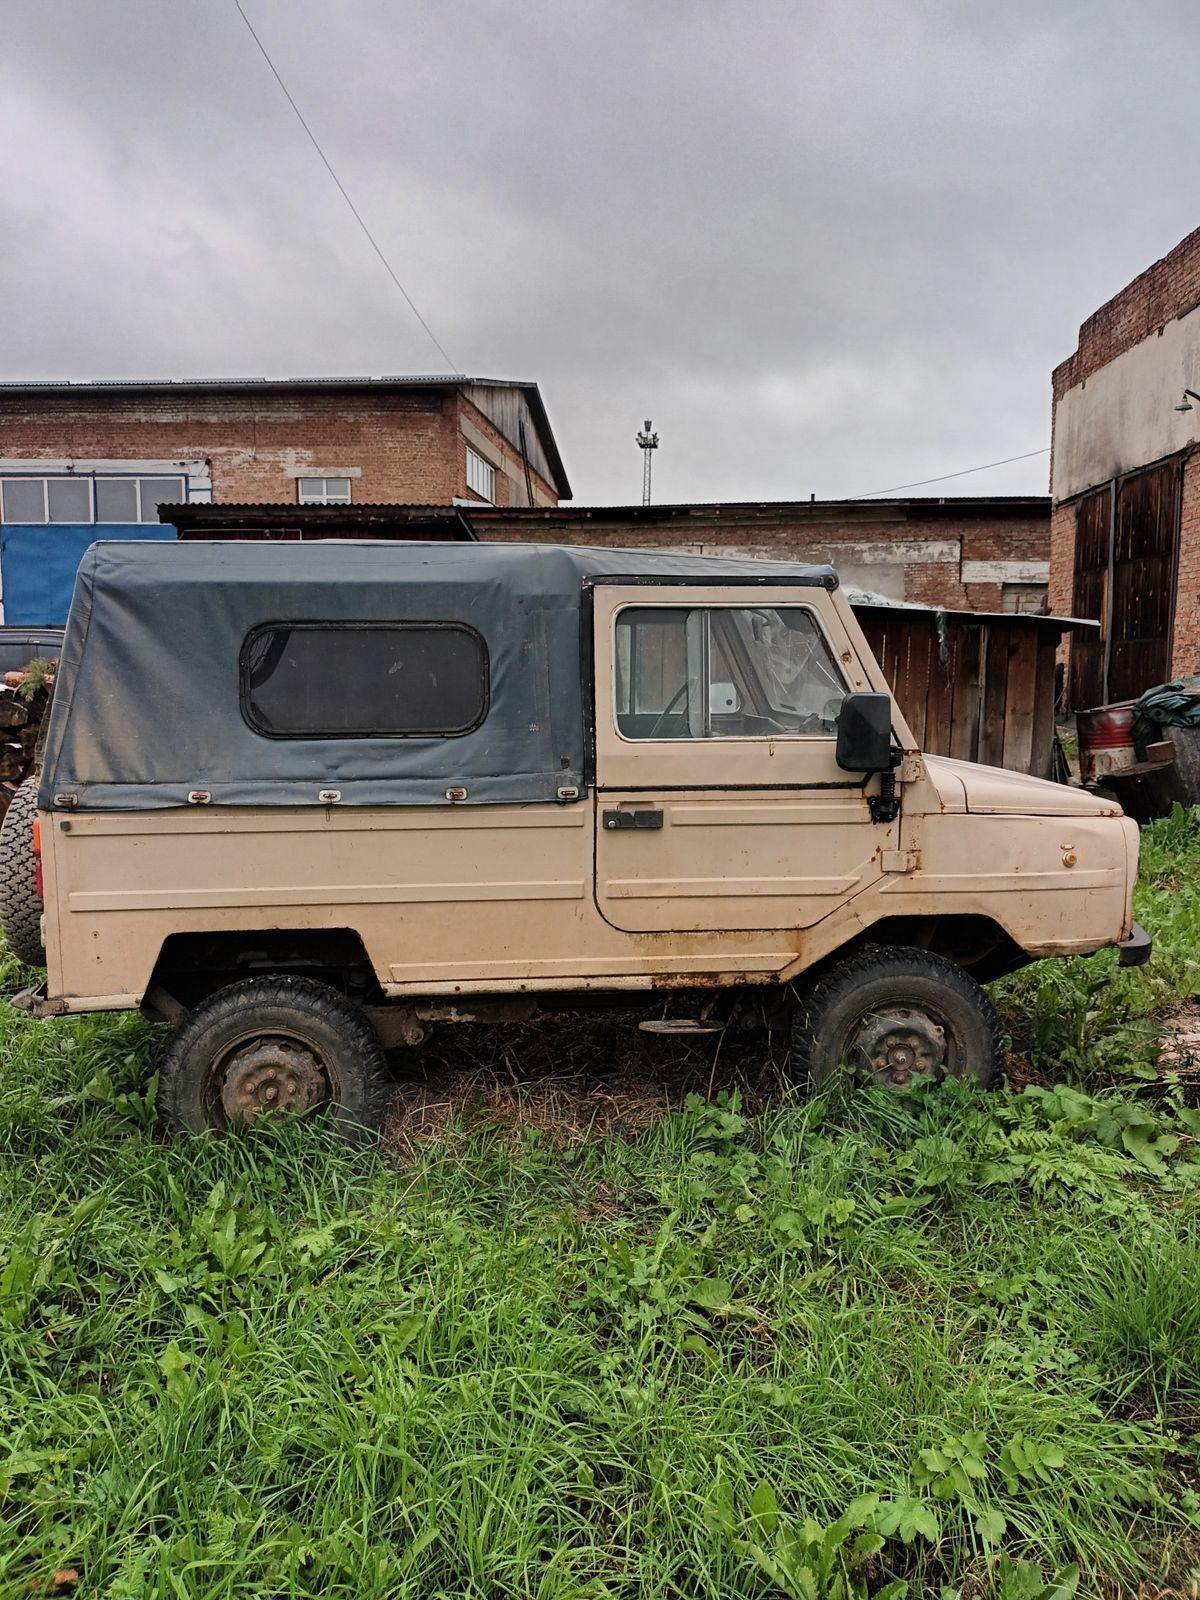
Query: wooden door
(1125, 567)
(1090, 598)
(1145, 554)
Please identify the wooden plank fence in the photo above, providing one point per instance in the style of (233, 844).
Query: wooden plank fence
(972, 685)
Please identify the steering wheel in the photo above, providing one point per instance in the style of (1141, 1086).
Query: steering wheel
(672, 703)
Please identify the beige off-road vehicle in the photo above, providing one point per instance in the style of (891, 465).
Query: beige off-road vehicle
(304, 800)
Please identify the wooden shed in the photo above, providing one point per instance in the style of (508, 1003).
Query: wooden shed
(977, 685)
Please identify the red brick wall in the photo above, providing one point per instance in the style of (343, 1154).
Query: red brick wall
(1062, 558)
(507, 460)
(408, 446)
(804, 532)
(1185, 646)
(1168, 289)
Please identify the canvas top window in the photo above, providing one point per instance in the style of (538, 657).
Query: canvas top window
(323, 491)
(724, 672)
(362, 680)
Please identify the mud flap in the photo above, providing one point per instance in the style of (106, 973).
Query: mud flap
(1135, 951)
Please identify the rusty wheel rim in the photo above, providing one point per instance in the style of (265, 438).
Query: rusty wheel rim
(900, 1046)
(271, 1074)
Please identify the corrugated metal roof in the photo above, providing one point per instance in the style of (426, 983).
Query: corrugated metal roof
(869, 600)
(289, 516)
(433, 380)
(218, 508)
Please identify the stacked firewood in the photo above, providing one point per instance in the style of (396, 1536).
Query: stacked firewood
(24, 702)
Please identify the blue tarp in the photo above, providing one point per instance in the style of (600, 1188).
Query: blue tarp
(38, 563)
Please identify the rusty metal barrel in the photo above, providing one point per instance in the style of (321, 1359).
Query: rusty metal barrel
(1101, 730)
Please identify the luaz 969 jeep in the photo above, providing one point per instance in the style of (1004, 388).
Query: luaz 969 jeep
(363, 787)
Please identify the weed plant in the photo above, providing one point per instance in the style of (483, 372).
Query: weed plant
(939, 1344)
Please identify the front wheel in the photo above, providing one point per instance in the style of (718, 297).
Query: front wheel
(898, 1016)
(284, 1046)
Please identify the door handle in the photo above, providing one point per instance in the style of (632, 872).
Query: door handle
(642, 818)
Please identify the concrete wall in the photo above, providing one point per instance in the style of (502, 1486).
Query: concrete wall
(1123, 416)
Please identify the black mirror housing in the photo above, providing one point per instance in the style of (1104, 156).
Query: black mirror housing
(864, 733)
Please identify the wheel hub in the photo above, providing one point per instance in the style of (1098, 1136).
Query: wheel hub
(276, 1075)
(899, 1045)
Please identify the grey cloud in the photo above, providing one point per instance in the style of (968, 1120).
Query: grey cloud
(827, 247)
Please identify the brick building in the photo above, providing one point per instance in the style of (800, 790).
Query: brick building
(86, 461)
(1125, 479)
(963, 554)
(92, 460)
(989, 554)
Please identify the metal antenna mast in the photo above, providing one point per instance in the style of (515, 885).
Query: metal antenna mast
(648, 441)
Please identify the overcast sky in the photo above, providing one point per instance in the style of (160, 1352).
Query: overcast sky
(828, 247)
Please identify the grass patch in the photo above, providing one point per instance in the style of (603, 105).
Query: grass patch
(944, 1340)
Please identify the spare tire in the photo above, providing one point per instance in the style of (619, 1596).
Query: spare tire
(20, 903)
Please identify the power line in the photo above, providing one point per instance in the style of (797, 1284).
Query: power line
(342, 188)
(965, 473)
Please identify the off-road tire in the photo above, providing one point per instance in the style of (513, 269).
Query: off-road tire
(322, 1020)
(20, 906)
(828, 1010)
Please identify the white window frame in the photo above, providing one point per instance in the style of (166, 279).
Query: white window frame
(325, 498)
(723, 605)
(156, 477)
(90, 479)
(481, 476)
(28, 477)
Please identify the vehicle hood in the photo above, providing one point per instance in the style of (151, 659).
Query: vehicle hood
(994, 791)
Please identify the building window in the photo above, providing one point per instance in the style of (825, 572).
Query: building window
(364, 680)
(117, 500)
(481, 476)
(324, 491)
(24, 499)
(68, 500)
(83, 498)
(723, 672)
(152, 493)
(1022, 599)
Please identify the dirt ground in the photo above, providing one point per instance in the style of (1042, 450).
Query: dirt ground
(572, 1074)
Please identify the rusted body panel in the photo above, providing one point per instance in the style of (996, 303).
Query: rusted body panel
(762, 860)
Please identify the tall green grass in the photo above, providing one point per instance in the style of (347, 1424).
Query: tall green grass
(944, 1340)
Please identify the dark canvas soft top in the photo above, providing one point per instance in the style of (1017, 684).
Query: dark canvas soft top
(148, 706)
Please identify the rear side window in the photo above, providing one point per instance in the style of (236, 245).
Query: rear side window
(363, 680)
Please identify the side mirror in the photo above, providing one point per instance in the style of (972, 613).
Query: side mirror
(864, 733)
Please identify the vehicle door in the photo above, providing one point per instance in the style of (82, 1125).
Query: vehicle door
(720, 804)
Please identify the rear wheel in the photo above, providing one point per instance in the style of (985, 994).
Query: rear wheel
(273, 1046)
(897, 1015)
(20, 903)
